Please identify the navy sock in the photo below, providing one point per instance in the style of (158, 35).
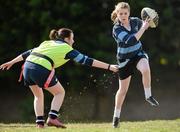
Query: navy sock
(40, 120)
(53, 114)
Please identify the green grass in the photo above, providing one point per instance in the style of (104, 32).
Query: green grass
(139, 126)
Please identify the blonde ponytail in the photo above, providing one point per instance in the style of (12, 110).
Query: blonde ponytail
(114, 16)
(120, 5)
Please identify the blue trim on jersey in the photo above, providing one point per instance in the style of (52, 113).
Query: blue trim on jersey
(125, 37)
(122, 35)
(129, 49)
(79, 58)
(85, 58)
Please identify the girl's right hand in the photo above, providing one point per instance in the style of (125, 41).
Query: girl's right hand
(6, 65)
(114, 68)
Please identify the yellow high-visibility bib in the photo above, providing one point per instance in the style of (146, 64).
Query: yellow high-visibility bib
(56, 50)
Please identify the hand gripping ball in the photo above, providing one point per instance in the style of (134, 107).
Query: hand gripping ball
(147, 12)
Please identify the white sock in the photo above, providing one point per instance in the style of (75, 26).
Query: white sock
(147, 92)
(117, 113)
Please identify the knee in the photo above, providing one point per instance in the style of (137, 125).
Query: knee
(122, 91)
(145, 70)
(39, 97)
(60, 92)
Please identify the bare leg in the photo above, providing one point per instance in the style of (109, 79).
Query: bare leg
(121, 93)
(58, 92)
(38, 100)
(38, 105)
(120, 96)
(144, 68)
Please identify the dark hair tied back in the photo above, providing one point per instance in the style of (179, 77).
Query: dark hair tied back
(62, 33)
(53, 34)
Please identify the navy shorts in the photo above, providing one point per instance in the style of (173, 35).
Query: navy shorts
(35, 74)
(128, 66)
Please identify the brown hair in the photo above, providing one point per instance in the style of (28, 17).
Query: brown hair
(120, 5)
(62, 33)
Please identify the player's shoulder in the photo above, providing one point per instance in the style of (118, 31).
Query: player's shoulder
(117, 25)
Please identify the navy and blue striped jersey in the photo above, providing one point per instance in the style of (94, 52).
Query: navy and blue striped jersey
(127, 44)
(79, 57)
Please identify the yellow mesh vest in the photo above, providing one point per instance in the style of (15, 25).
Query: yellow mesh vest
(53, 49)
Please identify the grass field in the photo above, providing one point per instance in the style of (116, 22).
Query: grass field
(139, 126)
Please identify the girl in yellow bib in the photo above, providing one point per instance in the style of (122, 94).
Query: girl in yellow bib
(39, 73)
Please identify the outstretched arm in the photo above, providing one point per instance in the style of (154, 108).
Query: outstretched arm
(85, 60)
(19, 58)
(8, 64)
(103, 65)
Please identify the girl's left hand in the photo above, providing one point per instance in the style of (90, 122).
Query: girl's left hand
(145, 24)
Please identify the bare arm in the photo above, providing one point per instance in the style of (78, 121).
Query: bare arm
(19, 58)
(103, 65)
(85, 60)
(145, 26)
(8, 64)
